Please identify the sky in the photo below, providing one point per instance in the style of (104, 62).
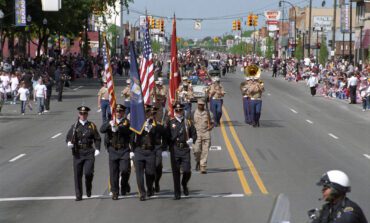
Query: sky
(207, 9)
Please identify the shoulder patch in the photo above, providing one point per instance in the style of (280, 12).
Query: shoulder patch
(92, 126)
(348, 209)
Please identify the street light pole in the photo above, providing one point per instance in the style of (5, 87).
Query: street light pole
(350, 31)
(295, 24)
(309, 29)
(1, 33)
(29, 19)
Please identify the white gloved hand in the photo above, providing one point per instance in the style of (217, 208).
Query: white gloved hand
(190, 142)
(132, 155)
(164, 154)
(148, 128)
(97, 152)
(114, 127)
(70, 145)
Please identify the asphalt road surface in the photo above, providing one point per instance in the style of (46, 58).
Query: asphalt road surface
(300, 138)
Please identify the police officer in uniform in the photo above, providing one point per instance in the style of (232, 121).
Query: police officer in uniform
(160, 147)
(80, 139)
(144, 156)
(181, 136)
(338, 209)
(117, 139)
(216, 93)
(244, 86)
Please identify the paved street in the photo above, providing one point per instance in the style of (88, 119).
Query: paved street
(300, 138)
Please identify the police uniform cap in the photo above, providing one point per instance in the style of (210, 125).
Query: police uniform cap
(201, 101)
(178, 106)
(120, 107)
(83, 109)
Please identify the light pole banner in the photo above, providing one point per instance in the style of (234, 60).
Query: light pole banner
(344, 18)
(20, 13)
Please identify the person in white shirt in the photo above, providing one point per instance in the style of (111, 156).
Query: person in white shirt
(312, 83)
(23, 94)
(4, 86)
(14, 87)
(352, 85)
(40, 95)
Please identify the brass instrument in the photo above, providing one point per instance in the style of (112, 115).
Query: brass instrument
(254, 72)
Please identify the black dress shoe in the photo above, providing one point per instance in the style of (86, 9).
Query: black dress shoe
(142, 198)
(197, 167)
(177, 197)
(115, 196)
(78, 199)
(88, 193)
(186, 190)
(157, 188)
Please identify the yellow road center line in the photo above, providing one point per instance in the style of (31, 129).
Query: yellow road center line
(246, 157)
(243, 180)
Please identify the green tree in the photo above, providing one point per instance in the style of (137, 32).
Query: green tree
(269, 47)
(156, 46)
(299, 50)
(323, 53)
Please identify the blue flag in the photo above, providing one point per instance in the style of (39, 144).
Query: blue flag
(137, 112)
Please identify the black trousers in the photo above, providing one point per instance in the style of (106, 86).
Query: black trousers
(60, 90)
(352, 94)
(83, 164)
(119, 166)
(313, 91)
(47, 100)
(144, 165)
(158, 164)
(180, 159)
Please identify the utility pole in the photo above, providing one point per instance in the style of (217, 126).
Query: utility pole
(309, 29)
(350, 31)
(334, 28)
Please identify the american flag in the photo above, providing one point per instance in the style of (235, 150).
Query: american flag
(109, 78)
(188, 54)
(146, 66)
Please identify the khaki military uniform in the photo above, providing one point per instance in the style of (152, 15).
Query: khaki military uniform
(126, 95)
(203, 121)
(159, 96)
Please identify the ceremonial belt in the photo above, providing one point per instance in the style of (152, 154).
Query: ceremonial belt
(256, 99)
(145, 147)
(84, 146)
(181, 145)
(120, 146)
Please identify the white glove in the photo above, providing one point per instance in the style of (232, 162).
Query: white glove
(164, 154)
(148, 128)
(69, 145)
(190, 142)
(132, 155)
(114, 127)
(97, 152)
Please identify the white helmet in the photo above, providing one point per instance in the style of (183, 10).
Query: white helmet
(336, 179)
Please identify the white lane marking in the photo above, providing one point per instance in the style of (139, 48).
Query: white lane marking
(122, 197)
(334, 136)
(309, 121)
(215, 148)
(294, 111)
(56, 135)
(75, 89)
(367, 156)
(17, 157)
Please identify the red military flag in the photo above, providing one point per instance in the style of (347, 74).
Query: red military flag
(109, 77)
(174, 72)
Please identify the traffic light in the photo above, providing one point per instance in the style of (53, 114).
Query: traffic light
(162, 25)
(158, 24)
(250, 20)
(238, 25)
(152, 23)
(255, 20)
(318, 45)
(234, 25)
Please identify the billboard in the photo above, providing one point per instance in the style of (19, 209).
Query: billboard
(323, 21)
(20, 13)
(272, 15)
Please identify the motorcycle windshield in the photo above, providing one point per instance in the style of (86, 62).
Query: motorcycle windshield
(281, 211)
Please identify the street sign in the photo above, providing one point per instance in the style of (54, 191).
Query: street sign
(198, 25)
(323, 21)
